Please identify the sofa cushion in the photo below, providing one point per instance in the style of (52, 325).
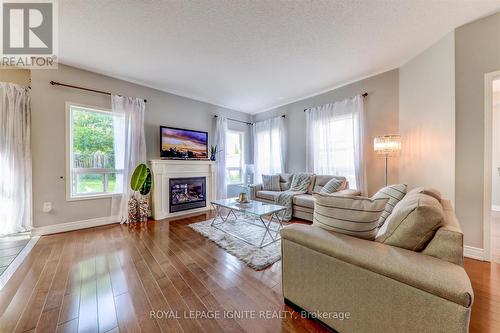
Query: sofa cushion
(354, 216)
(267, 195)
(412, 223)
(271, 182)
(321, 181)
(394, 193)
(304, 200)
(429, 191)
(310, 190)
(333, 185)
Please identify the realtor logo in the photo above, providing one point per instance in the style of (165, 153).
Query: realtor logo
(29, 33)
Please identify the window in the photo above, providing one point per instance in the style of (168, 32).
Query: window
(91, 156)
(334, 140)
(339, 139)
(234, 157)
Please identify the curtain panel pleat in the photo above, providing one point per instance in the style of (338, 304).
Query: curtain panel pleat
(270, 147)
(129, 147)
(15, 159)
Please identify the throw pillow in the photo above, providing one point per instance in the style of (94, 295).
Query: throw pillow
(271, 182)
(412, 223)
(427, 190)
(300, 182)
(354, 216)
(394, 193)
(333, 185)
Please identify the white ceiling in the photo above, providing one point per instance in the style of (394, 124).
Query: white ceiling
(253, 55)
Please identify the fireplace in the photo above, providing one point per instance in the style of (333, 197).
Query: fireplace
(187, 193)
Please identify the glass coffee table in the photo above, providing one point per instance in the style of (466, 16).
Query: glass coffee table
(269, 217)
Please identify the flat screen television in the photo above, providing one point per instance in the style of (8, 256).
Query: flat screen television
(183, 143)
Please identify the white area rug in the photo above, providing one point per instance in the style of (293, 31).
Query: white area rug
(247, 228)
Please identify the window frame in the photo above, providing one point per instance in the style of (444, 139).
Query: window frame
(70, 163)
(242, 159)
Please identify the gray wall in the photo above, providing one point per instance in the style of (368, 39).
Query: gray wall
(477, 52)
(381, 107)
(427, 118)
(48, 133)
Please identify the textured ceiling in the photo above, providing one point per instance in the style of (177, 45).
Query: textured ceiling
(253, 55)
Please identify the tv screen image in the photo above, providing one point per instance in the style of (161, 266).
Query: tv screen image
(183, 143)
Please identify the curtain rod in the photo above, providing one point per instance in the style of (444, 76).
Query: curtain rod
(363, 94)
(241, 121)
(55, 83)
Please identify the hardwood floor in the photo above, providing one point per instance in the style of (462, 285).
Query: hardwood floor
(109, 279)
(10, 247)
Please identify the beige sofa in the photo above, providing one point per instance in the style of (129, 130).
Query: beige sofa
(303, 204)
(382, 287)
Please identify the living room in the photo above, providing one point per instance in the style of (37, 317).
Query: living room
(252, 166)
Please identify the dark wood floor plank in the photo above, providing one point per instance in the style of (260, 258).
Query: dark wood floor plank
(68, 327)
(105, 300)
(88, 312)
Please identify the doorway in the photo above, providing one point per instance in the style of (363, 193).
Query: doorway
(495, 176)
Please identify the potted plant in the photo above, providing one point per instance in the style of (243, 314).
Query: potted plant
(138, 205)
(213, 152)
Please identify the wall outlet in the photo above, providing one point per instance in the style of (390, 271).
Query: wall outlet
(47, 207)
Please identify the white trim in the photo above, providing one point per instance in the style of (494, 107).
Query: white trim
(18, 260)
(71, 226)
(488, 168)
(474, 253)
(495, 208)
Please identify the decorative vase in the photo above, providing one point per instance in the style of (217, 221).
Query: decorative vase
(212, 157)
(144, 212)
(133, 210)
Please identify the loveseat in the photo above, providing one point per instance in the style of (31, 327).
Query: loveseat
(303, 204)
(380, 287)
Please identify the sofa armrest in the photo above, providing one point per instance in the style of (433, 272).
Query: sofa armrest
(253, 190)
(432, 275)
(349, 192)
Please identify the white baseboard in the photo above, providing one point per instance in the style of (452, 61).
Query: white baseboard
(473, 252)
(495, 208)
(70, 226)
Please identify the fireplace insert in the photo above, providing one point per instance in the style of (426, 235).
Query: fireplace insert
(187, 193)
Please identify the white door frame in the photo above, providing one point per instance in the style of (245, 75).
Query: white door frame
(488, 168)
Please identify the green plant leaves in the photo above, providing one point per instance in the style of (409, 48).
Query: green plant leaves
(148, 183)
(139, 177)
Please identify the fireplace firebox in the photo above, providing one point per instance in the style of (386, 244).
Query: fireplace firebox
(187, 193)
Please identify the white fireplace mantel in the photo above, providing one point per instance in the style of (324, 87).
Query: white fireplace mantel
(163, 170)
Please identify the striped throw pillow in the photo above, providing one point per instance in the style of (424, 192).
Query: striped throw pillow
(271, 182)
(333, 185)
(394, 193)
(354, 216)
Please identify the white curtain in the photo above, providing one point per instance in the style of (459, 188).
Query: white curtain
(15, 159)
(269, 147)
(334, 141)
(130, 149)
(220, 141)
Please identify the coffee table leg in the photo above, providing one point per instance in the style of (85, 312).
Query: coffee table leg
(218, 215)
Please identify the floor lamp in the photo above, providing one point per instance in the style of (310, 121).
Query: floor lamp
(387, 145)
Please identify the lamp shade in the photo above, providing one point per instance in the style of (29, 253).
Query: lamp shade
(387, 144)
(249, 169)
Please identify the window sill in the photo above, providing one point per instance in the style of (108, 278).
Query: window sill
(93, 196)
